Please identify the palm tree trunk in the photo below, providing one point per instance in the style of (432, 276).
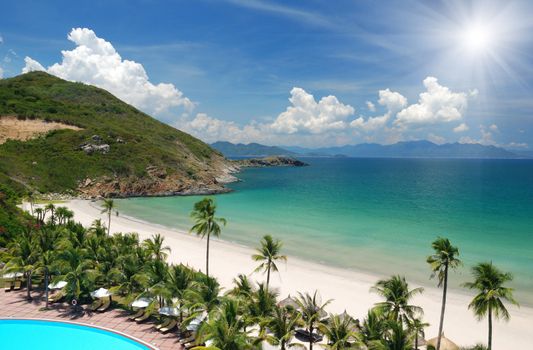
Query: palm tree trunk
(443, 308)
(490, 327)
(28, 285)
(268, 275)
(416, 340)
(311, 337)
(207, 256)
(46, 286)
(109, 223)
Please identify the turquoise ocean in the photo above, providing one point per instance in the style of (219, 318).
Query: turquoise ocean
(378, 215)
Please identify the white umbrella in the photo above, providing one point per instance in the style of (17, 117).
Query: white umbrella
(195, 323)
(58, 285)
(141, 302)
(169, 311)
(12, 275)
(101, 293)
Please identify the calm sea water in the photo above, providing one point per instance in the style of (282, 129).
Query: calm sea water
(378, 215)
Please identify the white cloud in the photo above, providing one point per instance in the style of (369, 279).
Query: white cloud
(95, 61)
(370, 106)
(371, 124)
(438, 104)
(308, 115)
(392, 100)
(461, 128)
(439, 140)
(1, 40)
(494, 128)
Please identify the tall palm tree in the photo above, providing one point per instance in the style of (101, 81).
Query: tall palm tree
(50, 207)
(206, 223)
(40, 214)
(108, 206)
(396, 338)
(489, 281)
(63, 214)
(47, 240)
(445, 258)
(312, 310)
(268, 254)
(417, 328)
(397, 296)
(243, 287)
(374, 326)
(282, 326)
(24, 258)
(31, 200)
(77, 272)
(340, 332)
(262, 304)
(156, 248)
(203, 294)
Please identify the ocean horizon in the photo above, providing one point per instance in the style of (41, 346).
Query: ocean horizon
(378, 215)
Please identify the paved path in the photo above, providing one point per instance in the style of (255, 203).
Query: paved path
(14, 304)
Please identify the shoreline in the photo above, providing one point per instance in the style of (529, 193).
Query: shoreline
(350, 289)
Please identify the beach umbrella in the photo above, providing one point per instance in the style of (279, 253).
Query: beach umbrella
(101, 293)
(289, 302)
(12, 275)
(141, 302)
(169, 311)
(195, 323)
(57, 285)
(445, 343)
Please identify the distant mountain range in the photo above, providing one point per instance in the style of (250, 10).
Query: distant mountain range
(405, 149)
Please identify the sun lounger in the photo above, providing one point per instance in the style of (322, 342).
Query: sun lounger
(54, 298)
(18, 285)
(95, 305)
(105, 305)
(188, 340)
(168, 328)
(163, 324)
(8, 285)
(143, 318)
(138, 314)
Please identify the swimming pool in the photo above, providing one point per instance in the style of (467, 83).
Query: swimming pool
(52, 335)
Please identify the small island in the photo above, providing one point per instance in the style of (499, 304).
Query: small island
(271, 161)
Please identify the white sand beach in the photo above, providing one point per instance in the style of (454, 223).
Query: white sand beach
(350, 290)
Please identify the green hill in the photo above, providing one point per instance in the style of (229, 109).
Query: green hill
(115, 150)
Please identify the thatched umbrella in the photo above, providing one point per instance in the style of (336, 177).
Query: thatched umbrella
(445, 343)
(289, 302)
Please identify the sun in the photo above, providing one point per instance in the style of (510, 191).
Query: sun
(477, 38)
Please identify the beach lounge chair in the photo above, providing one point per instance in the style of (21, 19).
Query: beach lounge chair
(190, 339)
(138, 314)
(54, 298)
(163, 324)
(8, 285)
(105, 305)
(143, 318)
(18, 285)
(170, 327)
(95, 305)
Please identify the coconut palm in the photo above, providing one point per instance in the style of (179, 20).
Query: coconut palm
(63, 214)
(77, 272)
(50, 207)
(417, 328)
(396, 338)
(374, 326)
(261, 304)
(282, 326)
(40, 214)
(206, 223)
(312, 310)
(489, 281)
(179, 280)
(340, 332)
(155, 246)
(203, 294)
(397, 296)
(24, 257)
(108, 206)
(157, 272)
(31, 200)
(47, 240)
(445, 258)
(268, 254)
(243, 287)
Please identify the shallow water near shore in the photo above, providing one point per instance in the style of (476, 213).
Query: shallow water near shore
(378, 215)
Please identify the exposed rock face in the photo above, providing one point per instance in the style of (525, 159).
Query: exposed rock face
(90, 148)
(270, 161)
(13, 128)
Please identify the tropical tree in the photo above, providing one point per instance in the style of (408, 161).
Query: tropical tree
(40, 214)
(417, 328)
(206, 223)
(31, 200)
(203, 296)
(179, 280)
(340, 332)
(157, 271)
(312, 310)
(395, 338)
(374, 326)
(490, 282)
(243, 287)
(397, 296)
(77, 272)
(444, 258)
(108, 206)
(63, 214)
(268, 254)
(261, 304)
(50, 207)
(24, 258)
(282, 326)
(47, 240)
(155, 246)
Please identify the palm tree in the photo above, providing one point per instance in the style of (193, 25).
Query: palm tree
(340, 332)
(50, 207)
(417, 327)
(31, 199)
(282, 326)
(445, 257)
(203, 294)
(155, 246)
(312, 310)
(47, 242)
(40, 214)
(108, 206)
(268, 254)
(396, 338)
(179, 280)
(157, 271)
(77, 272)
(24, 258)
(63, 215)
(373, 326)
(489, 282)
(206, 223)
(243, 287)
(262, 304)
(397, 296)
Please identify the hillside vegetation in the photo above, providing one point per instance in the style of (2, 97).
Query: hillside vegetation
(126, 151)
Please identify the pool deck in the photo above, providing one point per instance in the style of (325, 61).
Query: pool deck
(14, 304)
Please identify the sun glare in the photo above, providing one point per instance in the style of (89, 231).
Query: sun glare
(477, 38)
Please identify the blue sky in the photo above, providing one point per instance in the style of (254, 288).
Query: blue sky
(233, 65)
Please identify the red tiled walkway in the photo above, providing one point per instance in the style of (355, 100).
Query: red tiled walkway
(14, 304)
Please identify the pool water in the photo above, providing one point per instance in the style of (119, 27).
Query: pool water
(48, 335)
